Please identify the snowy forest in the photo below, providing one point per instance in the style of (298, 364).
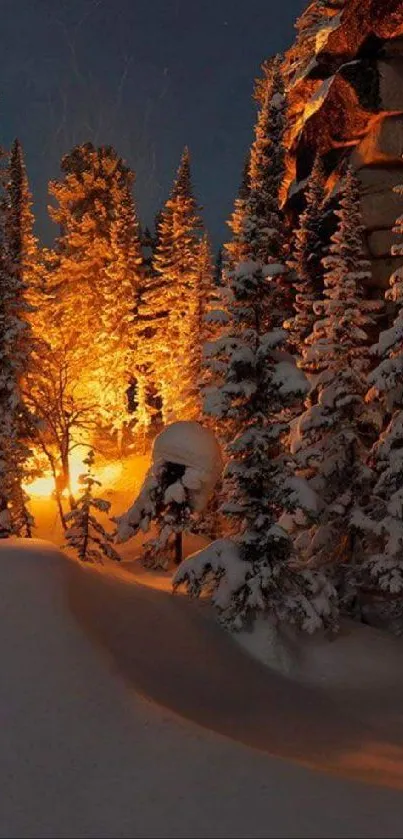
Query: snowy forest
(248, 400)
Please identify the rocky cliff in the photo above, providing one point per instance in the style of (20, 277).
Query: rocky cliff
(346, 102)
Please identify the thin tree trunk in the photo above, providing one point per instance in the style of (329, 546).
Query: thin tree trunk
(66, 477)
(178, 548)
(58, 495)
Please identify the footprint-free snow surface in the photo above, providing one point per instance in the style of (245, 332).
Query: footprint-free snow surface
(126, 712)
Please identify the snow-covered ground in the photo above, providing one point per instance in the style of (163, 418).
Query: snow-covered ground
(357, 657)
(84, 753)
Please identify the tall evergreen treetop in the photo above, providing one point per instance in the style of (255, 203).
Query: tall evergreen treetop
(21, 242)
(259, 230)
(346, 316)
(176, 262)
(306, 260)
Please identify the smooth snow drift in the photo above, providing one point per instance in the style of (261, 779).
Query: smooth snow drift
(83, 755)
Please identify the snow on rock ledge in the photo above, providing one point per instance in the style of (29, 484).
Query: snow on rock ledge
(358, 657)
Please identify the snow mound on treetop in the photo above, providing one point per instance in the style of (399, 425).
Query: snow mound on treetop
(186, 443)
(196, 447)
(191, 444)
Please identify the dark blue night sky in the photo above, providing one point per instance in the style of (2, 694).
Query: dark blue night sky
(147, 76)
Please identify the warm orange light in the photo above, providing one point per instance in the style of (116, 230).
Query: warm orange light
(40, 487)
(44, 486)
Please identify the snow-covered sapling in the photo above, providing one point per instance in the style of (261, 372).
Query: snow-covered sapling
(164, 501)
(85, 534)
(186, 466)
(172, 514)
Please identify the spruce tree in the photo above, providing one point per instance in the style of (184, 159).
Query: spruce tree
(378, 518)
(150, 316)
(22, 243)
(124, 276)
(171, 511)
(255, 386)
(176, 262)
(85, 534)
(332, 437)
(15, 351)
(254, 389)
(232, 250)
(260, 226)
(306, 260)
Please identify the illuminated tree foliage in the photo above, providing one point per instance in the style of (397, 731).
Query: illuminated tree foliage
(67, 417)
(98, 263)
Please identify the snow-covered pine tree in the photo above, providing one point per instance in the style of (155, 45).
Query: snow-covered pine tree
(172, 514)
(165, 501)
(256, 211)
(258, 235)
(378, 518)
(16, 344)
(85, 534)
(306, 260)
(261, 225)
(22, 244)
(232, 250)
(267, 167)
(255, 387)
(332, 437)
(176, 262)
(209, 319)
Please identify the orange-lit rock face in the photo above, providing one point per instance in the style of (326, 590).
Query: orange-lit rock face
(346, 101)
(382, 144)
(362, 19)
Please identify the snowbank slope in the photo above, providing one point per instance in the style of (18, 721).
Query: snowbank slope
(81, 755)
